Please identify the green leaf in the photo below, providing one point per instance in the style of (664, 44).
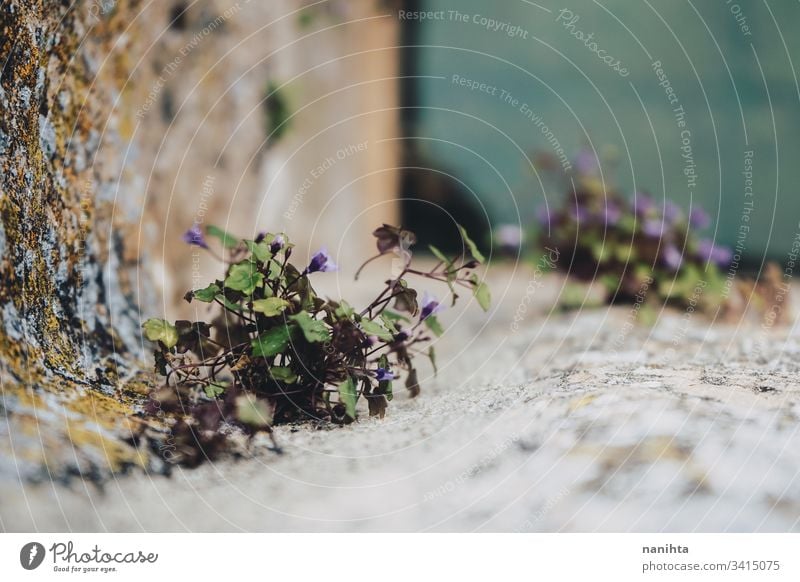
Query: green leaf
(207, 294)
(260, 251)
(299, 284)
(433, 324)
(625, 253)
(277, 112)
(215, 389)
(450, 268)
(602, 251)
(344, 310)
(473, 249)
(283, 374)
(386, 387)
(441, 256)
(227, 240)
(627, 224)
(271, 306)
(611, 282)
(432, 357)
(244, 277)
(230, 304)
(390, 324)
(482, 294)
(160, 330)
(253, 411)
(647, 315)
(272, 342)
(348, 396)
(314, 330)
(393, 316)
(376, 329)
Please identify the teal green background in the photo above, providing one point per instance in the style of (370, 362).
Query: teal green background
(739, 93)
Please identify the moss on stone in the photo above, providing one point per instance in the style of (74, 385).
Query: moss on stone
(61, 358)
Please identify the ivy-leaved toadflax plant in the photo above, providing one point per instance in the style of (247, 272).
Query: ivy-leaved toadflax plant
(277, 352)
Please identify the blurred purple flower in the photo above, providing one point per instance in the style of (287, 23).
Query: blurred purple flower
(543, 215)
(509, 236)
(586, 162)
(383, 375)
(699, 218)
(260, 237)
(722, 255)
(717, 254)
(579, 214)
(430, 306)
(653, 227)
(277, 244)
(612, 213)
(672, 257)
(321, 262)
(642, 204)
(672, 212)
(194, 236)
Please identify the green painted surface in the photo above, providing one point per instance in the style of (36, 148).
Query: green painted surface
(737, 88)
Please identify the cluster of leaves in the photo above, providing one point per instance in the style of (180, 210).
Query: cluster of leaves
(636, 247)
(277, 352)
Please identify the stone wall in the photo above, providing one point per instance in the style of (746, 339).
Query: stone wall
(123, 122)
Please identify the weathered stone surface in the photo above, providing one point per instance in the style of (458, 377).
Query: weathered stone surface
(576, 422)
(69, 319)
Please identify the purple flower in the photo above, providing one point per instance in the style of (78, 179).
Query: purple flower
(543, 215)
(579, 214)
(672, 212)
(260, 237)
(277, 244)
(430, 305)
(719, 255)
(642, 204)
(722, 255)
(672, 257)
(383, 375)
(401, 336)
(321, 262)
(653, 227)
(509, 236)
(699, 218)
(194, 236)
(586, 162)
(611, 213)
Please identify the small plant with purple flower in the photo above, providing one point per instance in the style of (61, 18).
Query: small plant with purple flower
(635, 247)
(277, 352)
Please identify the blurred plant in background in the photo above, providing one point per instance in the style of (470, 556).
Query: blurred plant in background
(277, 112)
(277, 352)
(637, 248)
